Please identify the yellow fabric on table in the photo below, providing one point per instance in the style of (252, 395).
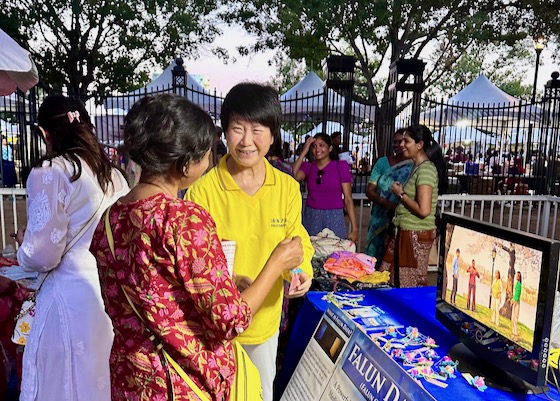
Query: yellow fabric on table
(373, 278)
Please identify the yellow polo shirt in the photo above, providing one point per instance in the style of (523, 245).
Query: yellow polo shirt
(257, 223)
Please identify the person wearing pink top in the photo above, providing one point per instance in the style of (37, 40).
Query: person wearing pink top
(329, 189)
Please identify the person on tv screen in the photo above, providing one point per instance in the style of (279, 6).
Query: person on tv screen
(497, 290)
(515, 301)
(471, 298)
(455, 266)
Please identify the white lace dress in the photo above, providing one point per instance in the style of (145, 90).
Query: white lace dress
(67, 354)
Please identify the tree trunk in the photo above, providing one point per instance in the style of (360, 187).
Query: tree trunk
(505, 310)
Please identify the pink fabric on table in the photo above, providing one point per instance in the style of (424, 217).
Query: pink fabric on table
(349, 264)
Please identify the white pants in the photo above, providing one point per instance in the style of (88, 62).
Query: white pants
(264, 357)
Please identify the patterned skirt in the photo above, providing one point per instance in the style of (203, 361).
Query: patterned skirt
(315, 220)
(406, 257)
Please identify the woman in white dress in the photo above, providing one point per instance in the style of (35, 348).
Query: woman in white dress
(67, 352)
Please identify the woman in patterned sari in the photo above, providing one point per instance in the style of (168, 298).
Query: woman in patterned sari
(386, 170)
(170, 262)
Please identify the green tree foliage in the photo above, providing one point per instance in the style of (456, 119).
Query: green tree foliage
(98, 46)
(505, 66)
(289, 73)
(380, 32)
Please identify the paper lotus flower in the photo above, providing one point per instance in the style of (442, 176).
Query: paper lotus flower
(478, 382)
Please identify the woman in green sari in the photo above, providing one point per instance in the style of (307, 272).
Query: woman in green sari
(385, 171)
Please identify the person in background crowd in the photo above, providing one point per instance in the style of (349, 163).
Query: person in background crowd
(258, 207)
(275, 158)
(219, 150)
(364, 164)
(336, 139)
(67, 351)
(415, 217)
(180, 284)
(386, 170)
(471, 296)
(455, 267)
(459, 156)
(497, 290)
(515, 303)
(329, 189)
(9, 178)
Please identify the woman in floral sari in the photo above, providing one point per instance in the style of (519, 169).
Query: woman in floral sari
(385, 171)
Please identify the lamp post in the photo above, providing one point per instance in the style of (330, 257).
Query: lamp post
(492, 277)
(538, 43)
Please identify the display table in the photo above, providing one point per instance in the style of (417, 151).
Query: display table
(412, 307)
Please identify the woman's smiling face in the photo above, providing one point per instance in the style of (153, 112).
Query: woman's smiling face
(248, 142)
(320, 149)
(410, 147)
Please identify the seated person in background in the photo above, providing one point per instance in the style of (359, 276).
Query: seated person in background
(515, 176)
(494, 163)
(364, 166)
(459, 156)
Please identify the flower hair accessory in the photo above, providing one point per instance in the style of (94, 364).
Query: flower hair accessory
(73, 115)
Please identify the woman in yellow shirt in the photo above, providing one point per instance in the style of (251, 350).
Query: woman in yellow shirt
(497, 290)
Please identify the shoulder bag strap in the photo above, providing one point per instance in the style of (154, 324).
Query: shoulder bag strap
(159, 346)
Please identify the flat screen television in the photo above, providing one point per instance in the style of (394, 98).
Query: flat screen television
(495, 291)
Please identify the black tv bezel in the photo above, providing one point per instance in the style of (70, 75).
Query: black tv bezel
(548, 286)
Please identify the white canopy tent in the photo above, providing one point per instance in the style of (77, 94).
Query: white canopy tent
(305, 100)
(196, 93)
(480, 100)
(333, 126)
(17, 70)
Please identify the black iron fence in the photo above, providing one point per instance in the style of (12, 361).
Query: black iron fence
(512, 148)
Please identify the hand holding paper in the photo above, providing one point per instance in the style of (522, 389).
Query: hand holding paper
(299, 284)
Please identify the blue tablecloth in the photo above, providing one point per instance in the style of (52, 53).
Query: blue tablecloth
(412, 307)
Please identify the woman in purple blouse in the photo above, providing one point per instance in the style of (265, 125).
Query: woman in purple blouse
(329, 189)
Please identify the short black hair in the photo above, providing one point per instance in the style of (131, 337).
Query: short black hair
(165, 133)
(335, 134)
(253, 102)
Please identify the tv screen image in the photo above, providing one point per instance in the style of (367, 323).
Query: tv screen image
(496, 291)
(489, 270)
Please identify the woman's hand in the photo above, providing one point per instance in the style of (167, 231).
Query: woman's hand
(18, 237)
(397, 188)
(288, 254)
(307, 145)
(353, 236)
(302, 287)
(242, 282)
